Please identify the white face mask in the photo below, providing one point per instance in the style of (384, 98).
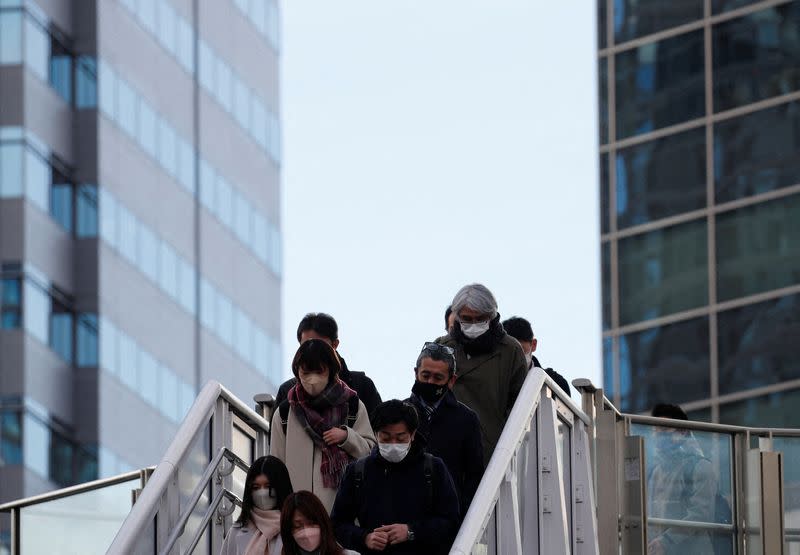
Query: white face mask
(308, 538)
(314, 384)
(474, 330)
(263, 500)
(394, 452)
(529, 358)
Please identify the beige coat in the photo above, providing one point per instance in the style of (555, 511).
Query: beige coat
(303, 458)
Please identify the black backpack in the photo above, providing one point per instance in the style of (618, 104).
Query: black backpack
(352, 412)
(359, 477)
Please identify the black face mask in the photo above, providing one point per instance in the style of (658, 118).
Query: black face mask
(428, 392)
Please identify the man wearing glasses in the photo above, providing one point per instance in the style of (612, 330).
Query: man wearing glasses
(491, 364)
(450, 428)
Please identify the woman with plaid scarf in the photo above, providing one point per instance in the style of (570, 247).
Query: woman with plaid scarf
(317, 444)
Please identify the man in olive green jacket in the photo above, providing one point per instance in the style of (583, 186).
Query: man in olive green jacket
(491, 364)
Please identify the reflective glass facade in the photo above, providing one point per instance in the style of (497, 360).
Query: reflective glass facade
(140, 218)
(699, 186)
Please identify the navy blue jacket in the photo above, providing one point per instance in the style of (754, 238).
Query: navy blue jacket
(396, 493)
(454, 435)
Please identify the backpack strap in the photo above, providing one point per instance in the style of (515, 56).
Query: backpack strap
(283, 411)
(352, 411)
(358, 472)
(429, 482)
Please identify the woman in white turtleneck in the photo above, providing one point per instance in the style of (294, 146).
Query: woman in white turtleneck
(257, 531)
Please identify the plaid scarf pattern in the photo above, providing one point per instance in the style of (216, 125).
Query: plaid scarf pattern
(319, 414)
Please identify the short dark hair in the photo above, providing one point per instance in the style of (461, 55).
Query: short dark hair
(392, 412)
(313, 509)
(448, 311)
(320, 323)
(664, 410)
(316, 355)
(435, 351)
(279, 480)
(518, 328)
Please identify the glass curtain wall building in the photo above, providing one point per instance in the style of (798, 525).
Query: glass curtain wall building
(700, 206)
(140, 242)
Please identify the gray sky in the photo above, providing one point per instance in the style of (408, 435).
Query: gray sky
(432, 144)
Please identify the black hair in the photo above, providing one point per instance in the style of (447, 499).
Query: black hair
(316, 355)
(279, 480)
(448, 311)
(309, 505)
(322, 324)
(442, 353)
(664, 410)
(518, 328)
(392, 412)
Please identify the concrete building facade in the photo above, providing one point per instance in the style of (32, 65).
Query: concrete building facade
(700, 206)
(140, 243)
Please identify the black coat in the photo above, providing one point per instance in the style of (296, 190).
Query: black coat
(357, 381)
(396, 493)
(454, 435)
(555, 376)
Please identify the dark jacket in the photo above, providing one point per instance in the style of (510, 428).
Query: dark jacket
(489, 383)
(454, 435)
(396, 493)
(357, 381)
(555, 376)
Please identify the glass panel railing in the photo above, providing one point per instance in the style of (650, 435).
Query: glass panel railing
(689, 484)
(190, 471)
(790, 447)
(82, 523)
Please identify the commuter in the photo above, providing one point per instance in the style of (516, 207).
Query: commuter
(257, 530)
(521, 330)
(449, 319)
(491, 365)
(306, 528)
(322, 326)
(451, 429)
(681, 485)
(321, 435)
(403, 498)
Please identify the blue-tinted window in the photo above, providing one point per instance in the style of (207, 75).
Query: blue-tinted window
(61, 70)
(61, 331)
(86, 82)
(127, 231)
(770, 411)
(224, 313)
(147, 132)
(224, 202)
(668, 364)
(127, 108)
(11, 37)
(241, 103)
(87, 340)
(147, 14)
(242, 219)
(128, 362)
(605, 277)
(758, 248)
(186, 165)
(148, 253)
(186, 292)
(168, 270)
(36, 445)
(107, 90)
(602, 24)
(208, 304)
(185, 47)
(11, 156)
(168, 400)
(224, 90)
(11, 437)
(604, 194)
(86, 211)
(167, 27)
(661, 178)
(660, 84)
(37, 48)
(243, 335)
(207, 67)
(749, 161)
(148, 378)
(637, 18)
(36, 308)
(260, 239)
(61, 202)
(758, 344)
(167, 147)
(258, 124)
(608, 367)
(602, 99)
(38, 178)
(61, 460)
(10, 303)
(662, 272)
(756, 56)
(718, 6)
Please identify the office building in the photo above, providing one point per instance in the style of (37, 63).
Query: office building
(140, 237)
(700, 206)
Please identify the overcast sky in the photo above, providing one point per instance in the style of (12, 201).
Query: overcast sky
(430, 144)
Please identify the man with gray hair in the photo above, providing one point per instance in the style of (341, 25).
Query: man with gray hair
(491, 364)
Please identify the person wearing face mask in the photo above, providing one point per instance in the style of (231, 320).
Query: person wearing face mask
(402, 498)
(319, 438)
(257, 530)
(450, 428)
(521, 330)
(306, 528)
(491, 365)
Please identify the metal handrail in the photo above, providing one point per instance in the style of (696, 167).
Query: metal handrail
(710, 427)
(207, 517)
(74, 490)
(199, 415)
(698, 525)
(194, 499)
(480, 510)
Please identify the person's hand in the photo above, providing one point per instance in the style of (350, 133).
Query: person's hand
(656, 547)
(397, 533)
(334, 436)
(377, 541)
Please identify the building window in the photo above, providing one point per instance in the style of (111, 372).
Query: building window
(61, 325)
(10, 303)
(638, 18)
(61, 200)
(86, 211)
(87, 340)
(10, 37)
(768, 411)
(61, 70)
(10, 436)
(86, 82)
